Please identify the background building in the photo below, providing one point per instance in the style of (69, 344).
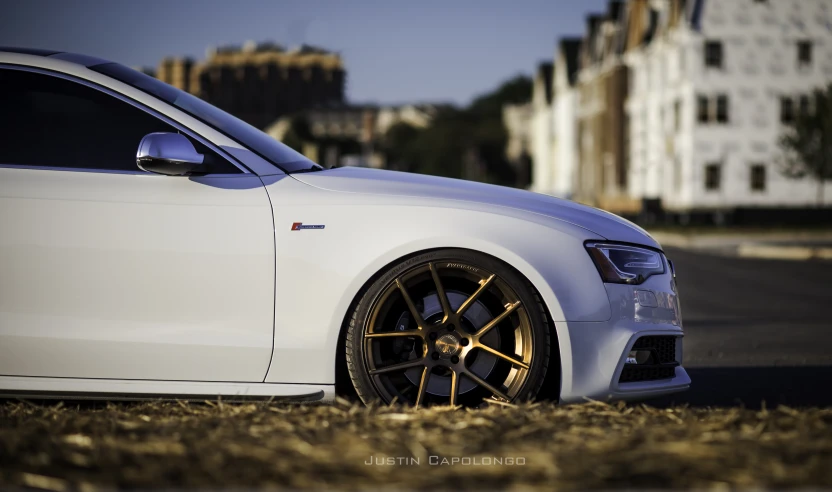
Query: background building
(335, 135)
(542, 137)
(416, 115)
(678, 106)
(259, 83)
(601, 178)
(564, 117)
(712, 84)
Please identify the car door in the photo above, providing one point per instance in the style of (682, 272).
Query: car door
(107, 271)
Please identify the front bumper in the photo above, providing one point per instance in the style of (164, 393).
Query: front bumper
(598, 351)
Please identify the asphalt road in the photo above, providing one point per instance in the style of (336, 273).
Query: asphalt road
(755, 330)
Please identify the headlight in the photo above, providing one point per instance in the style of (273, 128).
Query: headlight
(622, 264)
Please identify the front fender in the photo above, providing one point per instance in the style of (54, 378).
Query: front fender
(319, 272)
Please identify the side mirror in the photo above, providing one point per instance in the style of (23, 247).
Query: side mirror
(170, 154)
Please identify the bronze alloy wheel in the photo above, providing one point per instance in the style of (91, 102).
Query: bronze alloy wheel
(448, 327)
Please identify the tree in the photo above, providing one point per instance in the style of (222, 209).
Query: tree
(400, 144)
(807, 142)
(513, 91)
(298, 133)
(461, 142)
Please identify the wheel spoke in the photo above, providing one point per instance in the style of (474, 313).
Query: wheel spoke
(482, 291)
(503, 356)
(398, 367)
(494, 322)
(440, 292)
(423, 386)
(468, 302)
(417, 316)
(454, 388)
(487, 386)
(394, 334)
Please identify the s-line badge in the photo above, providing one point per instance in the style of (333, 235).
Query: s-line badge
(298, 226)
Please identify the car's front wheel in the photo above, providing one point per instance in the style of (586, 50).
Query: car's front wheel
(448, 327)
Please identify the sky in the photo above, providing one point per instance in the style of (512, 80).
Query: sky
(394, 51)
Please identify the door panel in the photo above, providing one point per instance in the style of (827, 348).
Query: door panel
(135, 276)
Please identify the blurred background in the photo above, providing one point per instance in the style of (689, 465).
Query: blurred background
(668, 112)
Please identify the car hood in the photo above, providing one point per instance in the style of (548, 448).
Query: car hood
(382, 182)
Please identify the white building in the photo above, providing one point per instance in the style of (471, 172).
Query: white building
(517, 120)
(710, 82)
(417, 115)
(564, 118)
(542, 137)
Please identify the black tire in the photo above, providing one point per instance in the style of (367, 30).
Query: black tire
(422, 342)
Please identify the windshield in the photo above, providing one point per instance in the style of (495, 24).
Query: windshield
(283, 156)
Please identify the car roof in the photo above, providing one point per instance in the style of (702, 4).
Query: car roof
(28, 51)
(85, 60)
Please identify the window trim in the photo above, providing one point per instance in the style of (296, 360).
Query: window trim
(137, 172)
(136, 104)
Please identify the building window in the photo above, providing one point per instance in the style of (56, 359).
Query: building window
(712, 109)
(804, 52)
(713, 176)
(702, 113)
(786, 109)
(722, 108)
(804, 105)
(758, 177)
(713, 54)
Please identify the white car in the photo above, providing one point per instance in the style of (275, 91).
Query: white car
(152, 245)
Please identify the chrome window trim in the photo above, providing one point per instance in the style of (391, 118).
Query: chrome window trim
(137, 172)
(106, 90)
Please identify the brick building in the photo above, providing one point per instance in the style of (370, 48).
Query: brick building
(259, 83)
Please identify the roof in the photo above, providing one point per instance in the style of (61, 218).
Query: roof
(616, 14)
(570, 49)
(652, 27)
(77, 58)
(593, 23)
(28, 51)
(694, 9)
(598, 43)
(614, 9)
(545, 71)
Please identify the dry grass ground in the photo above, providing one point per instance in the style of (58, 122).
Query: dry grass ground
(182, 445)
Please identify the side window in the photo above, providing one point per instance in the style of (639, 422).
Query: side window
(53, 122)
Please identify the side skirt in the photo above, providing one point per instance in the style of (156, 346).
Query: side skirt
(118, 389)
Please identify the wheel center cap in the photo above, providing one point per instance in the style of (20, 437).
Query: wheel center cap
(447, 345)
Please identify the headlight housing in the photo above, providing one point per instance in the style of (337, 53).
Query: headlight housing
(624, 264)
